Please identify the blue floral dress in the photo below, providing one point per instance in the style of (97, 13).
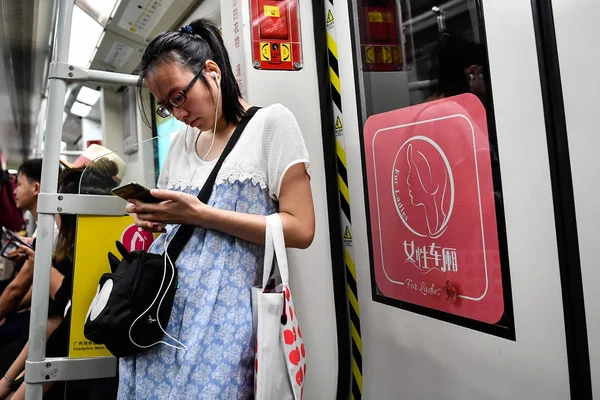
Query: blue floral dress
(212, 314)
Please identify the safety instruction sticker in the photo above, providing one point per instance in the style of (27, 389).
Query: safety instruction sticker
(383, 55)
(347, 236)
(286, 52)
(265, 51)
(330, 20)
(370, 54)
(338, 124)
(96, 237)
(271, 11)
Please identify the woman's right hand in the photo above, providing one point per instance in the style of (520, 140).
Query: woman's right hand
(30, 253)
(145, 225)
(17, 256)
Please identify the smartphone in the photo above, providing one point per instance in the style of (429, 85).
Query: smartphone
(135, 191)
(15, 238)
(8, 246)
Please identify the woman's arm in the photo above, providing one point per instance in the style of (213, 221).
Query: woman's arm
(295, 207)
(56, 279)
(17, 289)
(26, 302)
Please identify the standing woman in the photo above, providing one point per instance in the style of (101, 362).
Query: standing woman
(190, 75)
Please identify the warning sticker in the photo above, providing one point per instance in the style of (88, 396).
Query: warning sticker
(330, 20)
(369, 54)
(347, 234)
(338, 124)
(330, 17)
(265, 51)
(347, 237)
(271, 11)
(286, 52)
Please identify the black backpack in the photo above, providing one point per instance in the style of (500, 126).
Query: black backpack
(132, 306)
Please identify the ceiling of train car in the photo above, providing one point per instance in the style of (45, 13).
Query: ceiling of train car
(25, 49)
(25, 33)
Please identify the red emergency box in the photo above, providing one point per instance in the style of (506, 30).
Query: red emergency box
(380, 33)
(276, 36)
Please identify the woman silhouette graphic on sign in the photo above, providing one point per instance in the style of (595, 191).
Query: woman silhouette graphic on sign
(428, 188)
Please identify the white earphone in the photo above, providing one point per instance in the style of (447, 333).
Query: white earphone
(216, 78)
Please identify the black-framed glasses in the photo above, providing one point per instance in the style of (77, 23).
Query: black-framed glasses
(177, 99)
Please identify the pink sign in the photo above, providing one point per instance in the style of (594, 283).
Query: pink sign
(135, 238)
(432, 210)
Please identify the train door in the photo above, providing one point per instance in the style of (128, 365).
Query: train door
(460, 285)
(576, 63)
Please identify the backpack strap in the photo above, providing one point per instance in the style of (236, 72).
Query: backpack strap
(184, 233)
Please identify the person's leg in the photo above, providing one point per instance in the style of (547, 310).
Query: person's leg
(15, 326)
(9, 353)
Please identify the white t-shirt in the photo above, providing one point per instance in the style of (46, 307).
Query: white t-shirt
(55, 232)
(268, 147)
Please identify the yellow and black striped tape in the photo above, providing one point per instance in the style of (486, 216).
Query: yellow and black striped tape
(344, 201)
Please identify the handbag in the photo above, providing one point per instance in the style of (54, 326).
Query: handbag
(135, 299)
(280, 358)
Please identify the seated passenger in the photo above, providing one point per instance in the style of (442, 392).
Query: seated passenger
(26, 195)
(16, 298)
(97, 178)
(11, 217)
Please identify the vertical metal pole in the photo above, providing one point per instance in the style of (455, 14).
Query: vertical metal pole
(41, 276)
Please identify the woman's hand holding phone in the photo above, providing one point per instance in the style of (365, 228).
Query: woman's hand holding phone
(149, 226)
(29, 252)
(174, 208)
(17, 255)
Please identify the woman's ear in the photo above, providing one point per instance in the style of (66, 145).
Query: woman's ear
(474, 70)
(212, 68)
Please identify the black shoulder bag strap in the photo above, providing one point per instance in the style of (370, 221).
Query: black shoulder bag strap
(184, 233)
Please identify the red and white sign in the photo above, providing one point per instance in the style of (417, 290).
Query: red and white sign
(432, 210)
(135, 238)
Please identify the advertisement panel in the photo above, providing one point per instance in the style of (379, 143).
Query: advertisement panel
(432, 209)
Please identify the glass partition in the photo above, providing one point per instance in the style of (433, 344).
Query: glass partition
(435, 208)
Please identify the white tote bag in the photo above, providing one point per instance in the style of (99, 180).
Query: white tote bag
(280, 361)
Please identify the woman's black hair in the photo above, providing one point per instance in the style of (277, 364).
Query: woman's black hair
(192, 46)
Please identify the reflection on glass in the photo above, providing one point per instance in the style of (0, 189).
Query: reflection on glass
(458, 68)
(417, 51)
(166, 129)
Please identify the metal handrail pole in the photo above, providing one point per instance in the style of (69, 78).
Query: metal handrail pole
(57, 89)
